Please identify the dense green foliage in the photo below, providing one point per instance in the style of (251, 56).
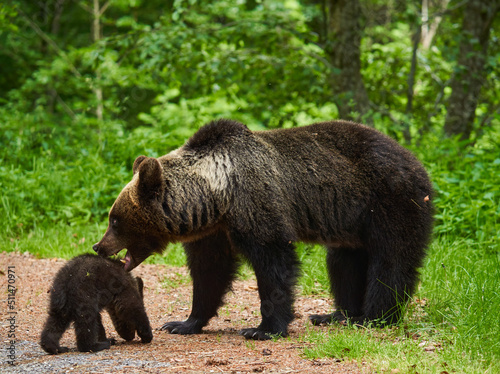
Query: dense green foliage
(165, 68)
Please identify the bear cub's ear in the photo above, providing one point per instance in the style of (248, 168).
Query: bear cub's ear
(151, 184)
(140, 286)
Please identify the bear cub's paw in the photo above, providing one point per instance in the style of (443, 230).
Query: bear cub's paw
(96, 347)
(182, 327)
(55, 350)
(51, 347)
(63, 350)
(146, 336)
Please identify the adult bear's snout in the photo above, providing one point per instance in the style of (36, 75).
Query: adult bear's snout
(96, 248)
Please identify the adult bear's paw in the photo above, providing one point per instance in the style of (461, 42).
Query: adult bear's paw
(182, 327)
(258, 334)
(326, 319)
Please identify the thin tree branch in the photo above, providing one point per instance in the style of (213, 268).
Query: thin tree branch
(85, 7)
(50, 42)
(65, 106)
(413, 69)
(104, 7)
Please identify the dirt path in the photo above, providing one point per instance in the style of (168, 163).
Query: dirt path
(167, 297)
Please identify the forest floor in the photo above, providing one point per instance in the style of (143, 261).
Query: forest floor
(167, 297)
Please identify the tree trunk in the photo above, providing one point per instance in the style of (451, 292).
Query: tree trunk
(429, 27)
(97, 36)
(343, 49)
(469, 74)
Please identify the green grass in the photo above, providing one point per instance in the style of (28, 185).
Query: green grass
(173, 255)
(314, 277)
(383, 351)
(173, 282)
(60, 240)
(464, 299)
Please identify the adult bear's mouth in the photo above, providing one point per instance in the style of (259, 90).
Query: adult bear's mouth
(133, 259)
(128, 262)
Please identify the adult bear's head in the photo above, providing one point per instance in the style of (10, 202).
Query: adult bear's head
(135, 219)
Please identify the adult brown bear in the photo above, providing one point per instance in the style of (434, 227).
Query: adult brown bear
(230, 193)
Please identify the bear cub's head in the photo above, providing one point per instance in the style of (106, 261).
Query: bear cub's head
(136, 216)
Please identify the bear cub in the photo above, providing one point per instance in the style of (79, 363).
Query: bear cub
(81, 289)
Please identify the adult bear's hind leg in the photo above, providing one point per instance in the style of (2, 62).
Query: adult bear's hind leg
(212, 266)
(389, 287)
(347, 268)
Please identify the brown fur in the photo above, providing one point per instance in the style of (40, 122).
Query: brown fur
(81, 289)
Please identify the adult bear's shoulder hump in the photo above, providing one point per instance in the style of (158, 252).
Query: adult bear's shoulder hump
(217, 133)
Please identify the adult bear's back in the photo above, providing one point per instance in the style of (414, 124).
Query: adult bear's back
(341, 176)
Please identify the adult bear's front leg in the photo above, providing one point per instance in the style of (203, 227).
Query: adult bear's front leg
(276, 269)
(213, 266)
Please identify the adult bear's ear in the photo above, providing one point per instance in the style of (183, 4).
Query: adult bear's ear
(151, 185)
(137, 163)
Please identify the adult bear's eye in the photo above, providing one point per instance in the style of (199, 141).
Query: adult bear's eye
(114, 222)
